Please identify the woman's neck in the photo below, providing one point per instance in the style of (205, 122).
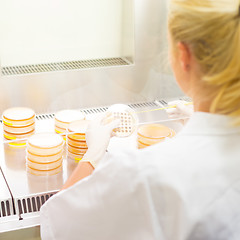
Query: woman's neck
(202, 99)
(201, 106)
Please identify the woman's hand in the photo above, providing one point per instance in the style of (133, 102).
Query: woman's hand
(98, 136)
(182, 110)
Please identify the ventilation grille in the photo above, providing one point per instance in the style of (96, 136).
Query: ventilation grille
(32, 203)
(49, 67)
(6, 208)
(143, 105)
(86, 111)
(101, 110)
(163, 102)
(95, 110)
(45, 116)
(187, 99)
(24, 205)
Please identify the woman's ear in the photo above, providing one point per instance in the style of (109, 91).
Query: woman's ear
(184, 56)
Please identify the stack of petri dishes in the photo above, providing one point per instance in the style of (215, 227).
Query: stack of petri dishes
(18, 124)
(76, 141)
(44, 154)
(150, 134)
(64, 117)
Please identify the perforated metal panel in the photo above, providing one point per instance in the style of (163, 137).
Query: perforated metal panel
(95, 110)
(32, 203)
(143, 105)
(62, 66)
(85, 110)
(45, 116)
(163, 102)
(6, 208)
(28, 204)
(185, 98)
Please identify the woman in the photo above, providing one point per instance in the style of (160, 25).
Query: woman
(184, 188)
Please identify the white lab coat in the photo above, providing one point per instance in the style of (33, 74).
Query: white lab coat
(187, 188)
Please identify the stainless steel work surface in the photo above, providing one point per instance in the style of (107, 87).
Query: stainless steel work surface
(7, 209)
(4, 191)
(23, 184)
(20, 181)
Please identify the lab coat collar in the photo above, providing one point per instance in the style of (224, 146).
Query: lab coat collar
(202, 123)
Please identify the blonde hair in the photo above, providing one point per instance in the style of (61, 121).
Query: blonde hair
(212, 30)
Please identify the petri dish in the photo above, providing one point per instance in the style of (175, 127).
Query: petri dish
(79, 127)
(44, 172)
(154, 131)
(77, 150)
(19, 129)
(45, 144)
(75, 157)
(141, 145)
(77, 131)
(44, 166)
(77, 143)
(64, 117)
(128, 119)
(44, 158)
(10, 136)
(60, 130)
(17, 144)
(18, 116)
(77, 137)
(150, 134)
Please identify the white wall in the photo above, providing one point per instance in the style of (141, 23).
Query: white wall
(128, 29)
(142, 81)
(42, 31)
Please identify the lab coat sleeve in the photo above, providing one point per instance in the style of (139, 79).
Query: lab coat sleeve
(96, 207)
(46, 232)
(115, 202)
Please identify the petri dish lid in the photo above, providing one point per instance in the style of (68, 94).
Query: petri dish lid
(44, 166)
(67, 116)
(154, 131)
(18, 114)
(77, 150)
(44, 158)
(12, 136)
(79, 126)
(149, 141)
(45, 140)
(44, 172)
(60, 130)
(141, 145)
(128, 119)
(78, 137)
(19, 129)
(76, 142)
(76, 157)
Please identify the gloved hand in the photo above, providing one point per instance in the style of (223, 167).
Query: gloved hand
(182, 111)
(98, 136)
